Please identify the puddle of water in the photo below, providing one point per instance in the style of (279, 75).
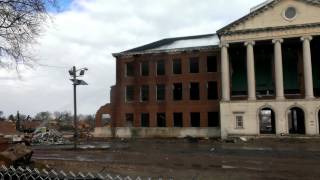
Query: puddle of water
(228, 167)
(84, 159)
(87, 147)
(252, 168)
(52, 158)
(256, 149)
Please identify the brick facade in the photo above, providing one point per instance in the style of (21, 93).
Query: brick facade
(118, 108)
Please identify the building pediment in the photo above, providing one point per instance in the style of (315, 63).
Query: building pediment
(277, 14)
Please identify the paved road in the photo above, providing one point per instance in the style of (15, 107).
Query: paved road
(258, 159)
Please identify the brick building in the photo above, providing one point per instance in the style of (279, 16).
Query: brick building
(257, 75)
(167, 84)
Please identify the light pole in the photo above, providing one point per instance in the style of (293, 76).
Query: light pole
(76, 82)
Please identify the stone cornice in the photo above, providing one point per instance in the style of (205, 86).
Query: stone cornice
(246, 31)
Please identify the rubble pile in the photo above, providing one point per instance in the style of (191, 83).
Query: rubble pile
(18, 154)
(48, 137)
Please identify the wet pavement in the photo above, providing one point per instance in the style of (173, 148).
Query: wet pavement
(181, 159)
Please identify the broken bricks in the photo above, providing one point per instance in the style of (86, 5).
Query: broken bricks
(18, 154)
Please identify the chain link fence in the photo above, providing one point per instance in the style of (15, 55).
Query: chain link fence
(20, 173)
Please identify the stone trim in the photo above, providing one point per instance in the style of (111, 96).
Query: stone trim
(299, 32)
(246, 31)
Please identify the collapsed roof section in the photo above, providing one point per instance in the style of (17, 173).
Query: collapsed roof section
(177, 44)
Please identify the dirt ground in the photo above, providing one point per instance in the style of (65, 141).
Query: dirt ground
(265, 158)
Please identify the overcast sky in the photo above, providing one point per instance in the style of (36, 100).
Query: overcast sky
(85, 34)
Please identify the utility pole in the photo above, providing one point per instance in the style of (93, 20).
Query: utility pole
(76, 82)
(18, 121)
(75, 141)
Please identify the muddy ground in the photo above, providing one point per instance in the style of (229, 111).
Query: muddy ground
(190, 159)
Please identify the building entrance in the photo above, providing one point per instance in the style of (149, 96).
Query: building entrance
(296, 121)
(267, 121)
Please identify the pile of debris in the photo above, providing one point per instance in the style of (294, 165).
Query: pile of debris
(16, 155)
(47, 137)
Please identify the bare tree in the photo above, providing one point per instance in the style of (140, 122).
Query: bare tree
(43, 116)
(21, 22)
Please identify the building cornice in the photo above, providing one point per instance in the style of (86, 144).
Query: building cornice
(277, 28)
(169, 51)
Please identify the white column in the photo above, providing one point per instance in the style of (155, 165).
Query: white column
(307, 67)
(225, 74)
(250, 71)
(278, 68)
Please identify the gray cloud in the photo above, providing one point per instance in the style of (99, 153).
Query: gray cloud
(89, 32)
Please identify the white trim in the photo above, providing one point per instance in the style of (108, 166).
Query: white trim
(238, 114)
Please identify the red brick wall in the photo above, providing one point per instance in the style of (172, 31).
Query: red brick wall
(120, 107)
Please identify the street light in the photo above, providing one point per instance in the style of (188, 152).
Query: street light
(73, 73)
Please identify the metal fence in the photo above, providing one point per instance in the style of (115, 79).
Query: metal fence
(20, 173)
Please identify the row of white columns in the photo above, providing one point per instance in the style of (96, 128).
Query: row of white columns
(225, 73)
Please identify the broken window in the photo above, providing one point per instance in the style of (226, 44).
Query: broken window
(129, 69)
(177, 66)
(212, 64)
(129, 93)
(161, 119)
(161, 68)
(195, 119)
(177, 91)
(144, 66)
(106, 120)
(194, 91)
(161, 92)
(194, 65)
(213, 119)
(144, 93)
(212, 90)
(178, 119)
(129, 120)
(145, 120)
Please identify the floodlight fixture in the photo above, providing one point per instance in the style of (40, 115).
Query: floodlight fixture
(82, 72)
(71, 72)
(76, 82)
